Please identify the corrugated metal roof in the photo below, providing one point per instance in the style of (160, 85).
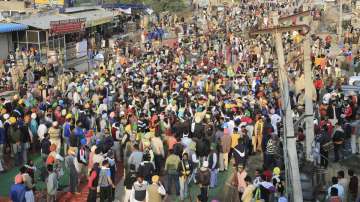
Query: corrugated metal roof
(94, 17)
(10, 27)
(81, 9)
(43, 21)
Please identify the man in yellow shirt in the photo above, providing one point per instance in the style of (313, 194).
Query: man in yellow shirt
(235, 137)
(258, 133)
(234, 141)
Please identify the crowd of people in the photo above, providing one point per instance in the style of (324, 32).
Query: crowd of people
(178, 115)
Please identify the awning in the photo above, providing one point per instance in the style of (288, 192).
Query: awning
(10, 27)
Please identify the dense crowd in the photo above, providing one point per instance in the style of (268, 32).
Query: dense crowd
(177, 115)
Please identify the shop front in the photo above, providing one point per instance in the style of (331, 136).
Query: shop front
(68, 33)
(98, 25)
(6, 45)
(39, 36)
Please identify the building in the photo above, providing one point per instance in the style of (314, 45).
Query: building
(63, 31)
(6, 30)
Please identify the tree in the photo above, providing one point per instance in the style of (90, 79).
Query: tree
(158, 5)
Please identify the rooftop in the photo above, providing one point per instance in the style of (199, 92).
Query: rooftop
(42, 21)
(81, 9)
(94, 16)
(14, 6)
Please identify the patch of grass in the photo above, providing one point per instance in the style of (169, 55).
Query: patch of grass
(215, 193)
(7, 178)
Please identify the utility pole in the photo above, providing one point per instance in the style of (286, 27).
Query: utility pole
(309, 108)
(340, 19)
(288, 120)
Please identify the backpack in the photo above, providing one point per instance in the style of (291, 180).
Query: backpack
(108, 143)
(74, 140)
(172, 169)
(204, 178)
(129, 181)
(146, 169)
(103, 179)
(140, 192)
(45, 146)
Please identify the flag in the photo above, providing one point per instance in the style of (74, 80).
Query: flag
(149, 11)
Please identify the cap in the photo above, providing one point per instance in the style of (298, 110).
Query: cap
(276, 171)
(155, 179)
(12, 120)
(83, 141)
(6, 116)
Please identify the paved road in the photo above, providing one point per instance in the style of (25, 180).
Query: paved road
(222, 192)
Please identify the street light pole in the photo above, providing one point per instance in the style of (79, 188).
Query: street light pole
(309, 108)
(288, 120)
(340, 19)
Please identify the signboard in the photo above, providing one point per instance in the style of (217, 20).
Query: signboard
(67, 26)
(81, 49)
(51, 2)
(350, 88)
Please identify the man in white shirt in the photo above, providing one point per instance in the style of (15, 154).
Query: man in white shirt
(139, 192)
(275, 119)
(158, 149)
(230, 124)
(340, 188)
(42, 129)
(344, 182)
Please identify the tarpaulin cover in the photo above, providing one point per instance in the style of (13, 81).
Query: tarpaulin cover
(10, 27)
(125, 6)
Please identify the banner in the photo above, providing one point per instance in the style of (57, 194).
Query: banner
(67, 26)
(100, 21)
(126, 11)
(203, 3)
(149, 11)
(51, 2)
(81, 49)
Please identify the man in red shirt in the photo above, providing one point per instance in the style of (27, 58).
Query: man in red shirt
(319, 84)
(93, 183)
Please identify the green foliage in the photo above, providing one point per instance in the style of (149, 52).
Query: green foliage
(157, 5)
